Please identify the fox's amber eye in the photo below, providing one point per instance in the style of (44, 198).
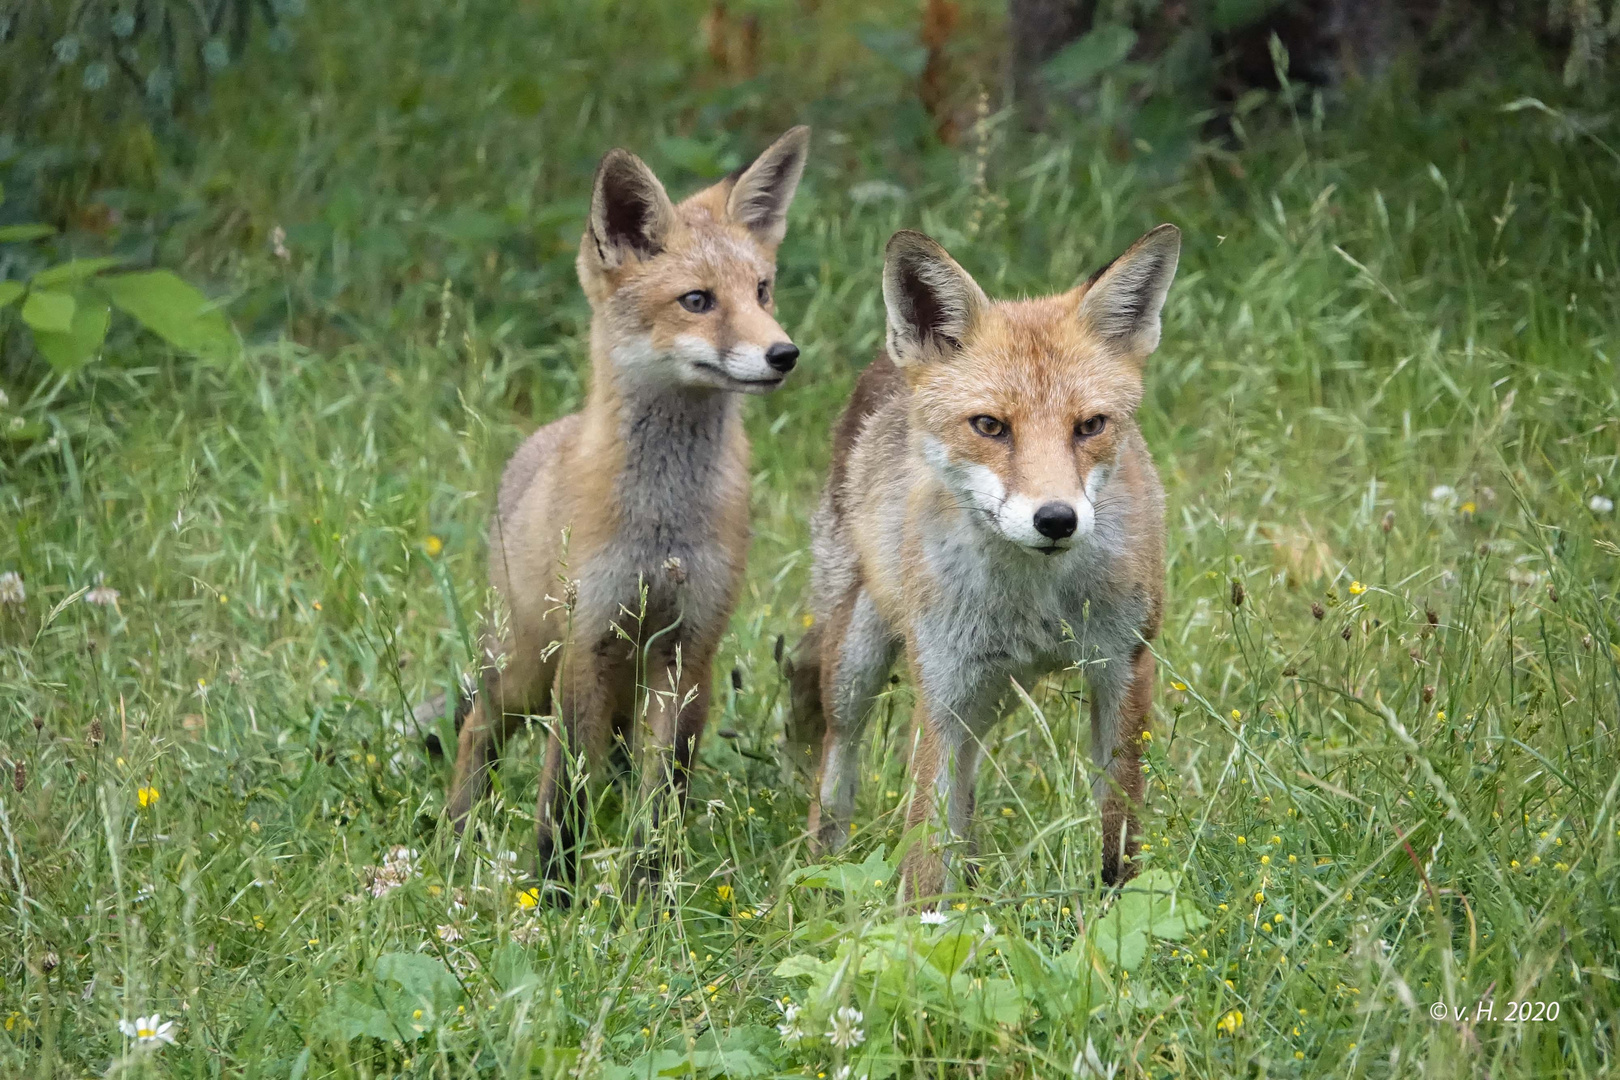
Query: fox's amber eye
(764, 294)
(698, 301)
(1091, 425)
(988, 426)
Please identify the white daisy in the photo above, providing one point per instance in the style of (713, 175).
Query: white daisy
(449, 933)
(933, 918)
(148, 1030)
(11, 588)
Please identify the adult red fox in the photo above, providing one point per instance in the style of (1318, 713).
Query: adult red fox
(993, 511)
(620, 534)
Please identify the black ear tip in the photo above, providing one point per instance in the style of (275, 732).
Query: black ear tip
(909, 243)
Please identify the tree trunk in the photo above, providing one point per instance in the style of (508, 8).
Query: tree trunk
(1039, 29)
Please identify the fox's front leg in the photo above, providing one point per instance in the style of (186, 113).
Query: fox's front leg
(584, 698)
(944, 767)
(857, 651)
(1119, 712)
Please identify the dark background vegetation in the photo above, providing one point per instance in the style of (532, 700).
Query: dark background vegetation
(243, 538)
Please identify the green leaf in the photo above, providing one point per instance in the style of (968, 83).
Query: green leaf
(899, 47)
(73, 270)
(173, 310)
(16, 234)
(1090, 56)
(846, 877)
(10, 290)
(404, 997)
(68, 352)
(949, 951)
(1147, 907)
(798, 966)
(49, 311)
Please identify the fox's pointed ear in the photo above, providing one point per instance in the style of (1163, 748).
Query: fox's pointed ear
(630, 212)
(933, 304)
(1122, 304)
(760, 197)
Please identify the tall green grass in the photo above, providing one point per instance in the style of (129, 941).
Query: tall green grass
(1403, 738)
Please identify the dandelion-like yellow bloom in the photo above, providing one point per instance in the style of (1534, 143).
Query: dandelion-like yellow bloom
(724, 892)
(1231, 1022)
(1265, 860)
(528, 899)
(1237, 714)
(433, 545)
(147, 795)
(1259, 897)
(808, 621)
(1357, 588)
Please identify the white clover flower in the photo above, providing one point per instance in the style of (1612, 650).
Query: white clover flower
(103, 595)
(846, 1032)
(503, 867)
(789, 1028)
(11, 588)
(148, 1030)
(1442, 500)
(933, 918)
(398, 867)
(1601, 504)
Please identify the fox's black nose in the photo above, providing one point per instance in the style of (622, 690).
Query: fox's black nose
(1056, 520)
(782, 356)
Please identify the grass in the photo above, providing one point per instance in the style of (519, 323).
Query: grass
(1403, 738)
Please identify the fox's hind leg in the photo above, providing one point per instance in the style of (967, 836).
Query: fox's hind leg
(857, 650)
(807, 723)
(1119, 712)
(491, 716)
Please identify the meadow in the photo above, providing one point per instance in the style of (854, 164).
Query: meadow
(1383, 783)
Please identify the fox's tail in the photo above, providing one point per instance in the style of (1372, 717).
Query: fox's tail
(426, 716)
(806, 722)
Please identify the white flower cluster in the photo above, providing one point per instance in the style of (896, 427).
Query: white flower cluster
(11, 588)
(399, 866)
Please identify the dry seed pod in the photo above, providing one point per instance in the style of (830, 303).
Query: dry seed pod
(1428, 694)
(1237, 593)
(1317, 611)
(19, 775)
(1345, 633)
(1388, 523)
(96, 734)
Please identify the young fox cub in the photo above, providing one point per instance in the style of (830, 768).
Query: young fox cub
(621, 531)
(992, 509)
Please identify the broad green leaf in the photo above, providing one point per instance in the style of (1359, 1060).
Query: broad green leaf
(846, 877)
(68, 352)
(72, 270)
(798, 965)
(10, 290)
(171, 309)
(1147, 907)
(16, 234)
(425, 981)
(949, 951)
(1091, 55)
(49, 311)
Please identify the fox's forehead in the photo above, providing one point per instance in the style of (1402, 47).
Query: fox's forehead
(706, 244)
(1034, 356)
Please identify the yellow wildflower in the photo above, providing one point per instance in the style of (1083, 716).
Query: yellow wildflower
(724, 892)
(147, 795)
(432, 545)
(528, 899)
(1231, 1022)
(1357, 588)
